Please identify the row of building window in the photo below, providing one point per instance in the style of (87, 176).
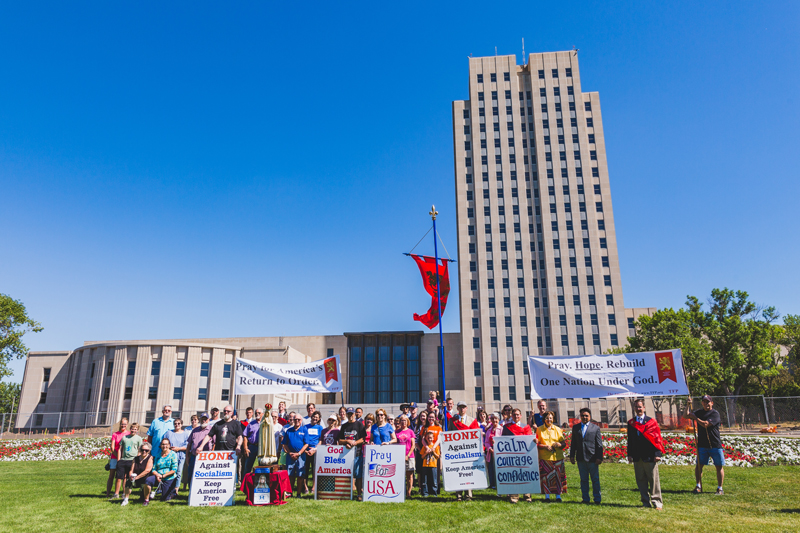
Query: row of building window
(507, 75)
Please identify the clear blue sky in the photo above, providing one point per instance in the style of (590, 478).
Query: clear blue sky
(200, 169)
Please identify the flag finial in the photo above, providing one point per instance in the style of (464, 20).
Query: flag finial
(433, 212)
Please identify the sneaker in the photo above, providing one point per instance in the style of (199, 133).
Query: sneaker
(697, 490)
(124, 501)
(719, 492)
(146, 503)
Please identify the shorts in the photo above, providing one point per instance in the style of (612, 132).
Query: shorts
(358, 466)
(411, 464)
(123, 467)
(296, 467)
(149, 480)
(715, 454)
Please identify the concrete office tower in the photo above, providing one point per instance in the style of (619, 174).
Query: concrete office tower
(538, 265)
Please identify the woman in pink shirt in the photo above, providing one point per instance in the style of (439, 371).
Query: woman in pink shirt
(494, 429)
(406, 436)
(116, 438)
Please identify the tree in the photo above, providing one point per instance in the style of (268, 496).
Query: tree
(9, 402)
(14, 323)
(668, 329)
(731, 345)
(740, 333)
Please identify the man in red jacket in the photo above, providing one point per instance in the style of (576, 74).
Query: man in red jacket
(644, 451)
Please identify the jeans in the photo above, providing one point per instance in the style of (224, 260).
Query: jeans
(250, 461)
(179, 473)
(192, 459)
(587, 469)
(490, 474)
(429, 484)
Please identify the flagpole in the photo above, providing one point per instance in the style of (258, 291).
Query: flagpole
(433, 214)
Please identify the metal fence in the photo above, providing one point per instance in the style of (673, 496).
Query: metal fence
(76, 424)
(738, 413)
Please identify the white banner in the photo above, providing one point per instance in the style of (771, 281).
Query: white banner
(385, 473)
(253, 377)
(602, 376)
(463, 463)
(212, 480)
(516, 465)
(336, 463)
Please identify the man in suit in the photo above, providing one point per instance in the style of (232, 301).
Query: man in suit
(644, 451)
(587, 448)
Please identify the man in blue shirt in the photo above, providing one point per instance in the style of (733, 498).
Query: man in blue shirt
(294, 444)
(538, 418)
(313, 434)
(160, 426)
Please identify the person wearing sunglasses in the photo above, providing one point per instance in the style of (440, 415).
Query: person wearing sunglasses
(228, 434)
(140, 474)
(160, 426)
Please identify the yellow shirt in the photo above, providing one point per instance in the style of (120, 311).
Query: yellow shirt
(548, 437)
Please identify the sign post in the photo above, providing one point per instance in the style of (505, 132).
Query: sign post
(516, 465)
(385, 473)
(212, 481)
(333, 472)
(254, 377)
(463, 462)
(608, 375)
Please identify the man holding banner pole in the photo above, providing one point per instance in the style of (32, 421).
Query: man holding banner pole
(644, 451)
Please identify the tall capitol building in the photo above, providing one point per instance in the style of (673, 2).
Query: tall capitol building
(538, 273)
(538, 264)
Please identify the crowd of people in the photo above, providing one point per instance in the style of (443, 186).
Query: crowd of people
(133, 464)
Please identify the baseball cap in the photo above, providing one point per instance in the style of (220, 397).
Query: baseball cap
(461, 404)
(430, 402)
(707, 398)
(333, 417)
(350, 411)
(413, 405)
(204, 415)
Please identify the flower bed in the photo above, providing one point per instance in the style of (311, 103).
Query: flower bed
(739, 450)
(55, 449)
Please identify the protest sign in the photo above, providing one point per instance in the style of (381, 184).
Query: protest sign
(253, 377)
(333, 472)
(385, 473)
(516, 465)
(608, 375)
(212, 480)
(463, 462)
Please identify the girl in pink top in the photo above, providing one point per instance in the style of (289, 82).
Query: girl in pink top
(116, 438)
(494, 429)
(406, 436)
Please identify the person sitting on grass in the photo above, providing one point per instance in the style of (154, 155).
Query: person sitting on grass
(164, 469)
(140, 475)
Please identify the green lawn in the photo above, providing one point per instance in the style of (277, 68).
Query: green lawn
(69, 496)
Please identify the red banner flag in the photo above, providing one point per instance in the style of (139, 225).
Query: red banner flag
(427, 267)
(666, 367)
(331, 372)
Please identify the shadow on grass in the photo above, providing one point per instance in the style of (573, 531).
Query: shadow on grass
(792, 511)
(98, 496)
(671, 491)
